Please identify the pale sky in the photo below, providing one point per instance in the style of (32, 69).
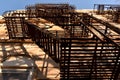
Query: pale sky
(6, 5)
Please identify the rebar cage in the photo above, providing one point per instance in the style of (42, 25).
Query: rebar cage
(86, 49)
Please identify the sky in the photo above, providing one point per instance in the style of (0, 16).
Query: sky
(6, 5)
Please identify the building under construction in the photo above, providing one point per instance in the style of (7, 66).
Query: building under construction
(58, 42)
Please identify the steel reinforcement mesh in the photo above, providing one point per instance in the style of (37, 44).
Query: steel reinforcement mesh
(89, 59)
(16, 27)
(80, 58)
(90, 56)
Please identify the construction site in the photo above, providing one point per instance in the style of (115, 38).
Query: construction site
(59, 42)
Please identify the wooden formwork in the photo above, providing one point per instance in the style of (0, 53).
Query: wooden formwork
(63, 15)
(87, 52)
(80, 58)
(91, 55)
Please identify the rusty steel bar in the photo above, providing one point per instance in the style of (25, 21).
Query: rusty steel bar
(88, 52)
(77, 55)
(90, 56)
(16, 27)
